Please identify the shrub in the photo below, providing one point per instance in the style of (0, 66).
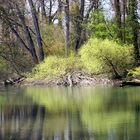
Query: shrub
(134, 73)
(96, 57)
(54, 66)
(14, 60)
(53, 37)
(3, 69)
(99, 56)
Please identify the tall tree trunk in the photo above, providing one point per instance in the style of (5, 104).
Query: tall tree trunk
(60, 13)
(50, 12)
(124, 20)
(118, 18)
(67, 37)
(28, 36)
(135, 25)
(37, 30)
(43, 11)
(84, 34)
(79, 28)
(31, 44)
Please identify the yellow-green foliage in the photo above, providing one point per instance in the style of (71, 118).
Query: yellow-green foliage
(53, 37)
(98, 55)
(5, 69)
(3, 65)
(103, 121)
(134, 72)
(54, 66)
(55, 100)
(97, 107)
(95, 57)
(74, 8)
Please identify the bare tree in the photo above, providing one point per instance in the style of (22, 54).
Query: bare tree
(13, 25)
(37, 30)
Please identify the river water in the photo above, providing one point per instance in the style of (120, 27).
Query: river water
(89, 113)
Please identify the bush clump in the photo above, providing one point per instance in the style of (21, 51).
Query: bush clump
(54, 37)
(54, 66)
(101, 56)
(95, 57)
(134, 73)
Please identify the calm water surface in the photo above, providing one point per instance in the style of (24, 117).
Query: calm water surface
(39, 113)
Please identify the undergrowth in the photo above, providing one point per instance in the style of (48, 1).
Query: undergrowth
(103, 56)
(95, 57)
(54, 66)
(135, 73)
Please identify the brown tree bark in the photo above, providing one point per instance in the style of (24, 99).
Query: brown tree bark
(124, 20)
(67, 35)
(135, 26)
(118, 18)
(43, 10)
(60, 12)
(37, 30)
(79, 21)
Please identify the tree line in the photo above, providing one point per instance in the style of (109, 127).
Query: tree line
(22, 22)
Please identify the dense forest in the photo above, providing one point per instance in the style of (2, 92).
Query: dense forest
(48, 38)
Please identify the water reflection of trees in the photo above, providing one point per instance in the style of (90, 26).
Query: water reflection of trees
(69, 114)
(34, 123)
(106, 113)
(17, 122)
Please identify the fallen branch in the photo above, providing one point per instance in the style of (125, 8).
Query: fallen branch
(134, 82)
(13, 81)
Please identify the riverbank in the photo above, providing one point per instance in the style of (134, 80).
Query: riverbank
(75, 78)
